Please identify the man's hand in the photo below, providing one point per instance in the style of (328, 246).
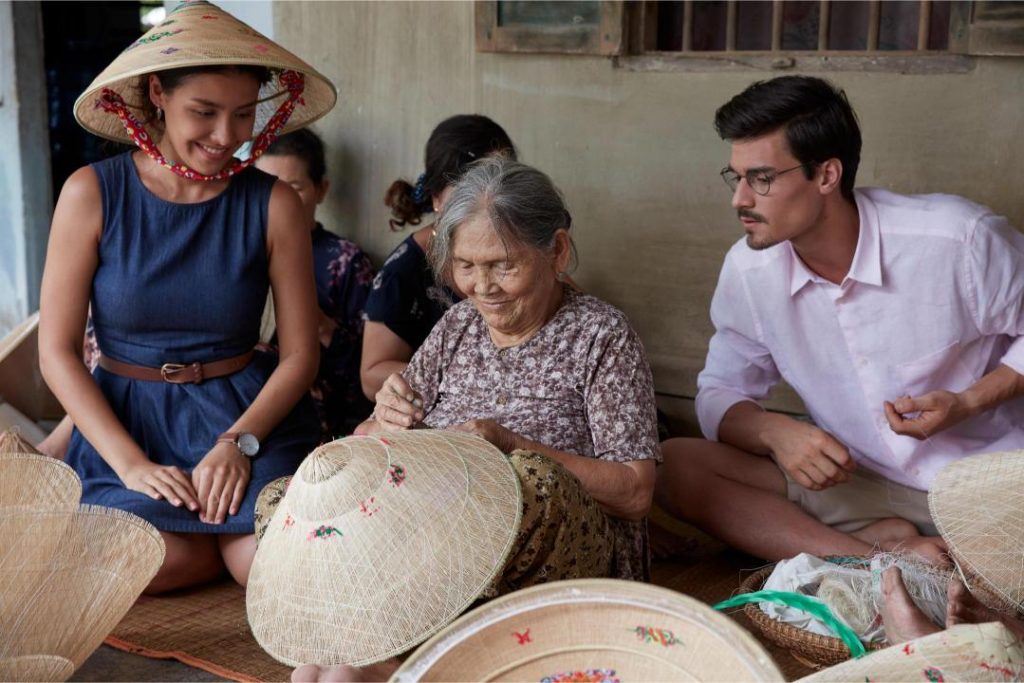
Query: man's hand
(811, 456)
(220, 479)
(926, 415)
(504, 439)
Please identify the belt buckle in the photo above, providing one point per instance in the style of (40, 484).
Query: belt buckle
(169, 373)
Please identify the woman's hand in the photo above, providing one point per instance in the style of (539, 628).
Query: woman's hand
(398, 406)
(162, 482)
(503, 439)
(220, 479)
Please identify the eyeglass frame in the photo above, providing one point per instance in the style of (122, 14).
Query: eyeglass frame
(746, 176)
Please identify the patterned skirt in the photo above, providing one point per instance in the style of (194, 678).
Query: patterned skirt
(564, 533)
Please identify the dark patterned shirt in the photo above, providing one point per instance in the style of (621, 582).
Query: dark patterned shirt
(580, 385)
(405, 296)
(343, 277)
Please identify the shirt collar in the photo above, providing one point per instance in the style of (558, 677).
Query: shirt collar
(867, 259)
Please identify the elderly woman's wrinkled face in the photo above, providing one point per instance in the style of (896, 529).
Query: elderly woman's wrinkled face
(514, 286)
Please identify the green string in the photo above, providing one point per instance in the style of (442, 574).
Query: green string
(804, 603)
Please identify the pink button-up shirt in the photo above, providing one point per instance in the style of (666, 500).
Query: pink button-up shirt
(934, 300)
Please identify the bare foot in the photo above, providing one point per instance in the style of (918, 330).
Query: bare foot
(311, 673)
(931, 549)
(902, 618)
(963, 608)
(889, 530)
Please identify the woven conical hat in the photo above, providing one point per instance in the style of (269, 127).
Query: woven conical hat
(37, 482)
(978, 507)
(966, 652)
(201, 34)
(69, 577)
(11, 441)
(379, 542)
(592, 630)
(36, 668)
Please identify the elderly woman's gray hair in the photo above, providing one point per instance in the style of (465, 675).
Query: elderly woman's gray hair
(522, 203)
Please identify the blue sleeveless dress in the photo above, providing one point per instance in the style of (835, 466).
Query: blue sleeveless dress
(180, 283)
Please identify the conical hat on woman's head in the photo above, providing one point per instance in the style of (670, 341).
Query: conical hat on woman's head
(978, 507)
(592, 630)
(201, 34)
(378, 543)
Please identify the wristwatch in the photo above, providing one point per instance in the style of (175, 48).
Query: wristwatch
(247, 443)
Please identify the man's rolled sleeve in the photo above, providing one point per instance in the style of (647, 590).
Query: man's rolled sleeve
(996, 263)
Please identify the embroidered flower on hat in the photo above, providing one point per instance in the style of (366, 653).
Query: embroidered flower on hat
(324, 531)
(396, 475)
(169, 51)
(262, 49)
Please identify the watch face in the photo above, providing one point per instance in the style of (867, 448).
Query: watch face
(248, 444)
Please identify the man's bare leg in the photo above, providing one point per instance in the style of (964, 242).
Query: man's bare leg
(311, 673)
(741, 499)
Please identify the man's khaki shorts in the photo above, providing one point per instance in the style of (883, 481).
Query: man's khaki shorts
(867, 497)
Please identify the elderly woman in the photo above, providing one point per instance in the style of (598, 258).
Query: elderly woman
(554, 377)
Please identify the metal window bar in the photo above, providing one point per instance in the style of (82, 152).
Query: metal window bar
(824, 20)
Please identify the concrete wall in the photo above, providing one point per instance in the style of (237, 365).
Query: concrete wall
(634, 152)
(25, 193)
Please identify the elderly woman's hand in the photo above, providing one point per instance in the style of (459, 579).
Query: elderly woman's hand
(504, 439)
(398, 406)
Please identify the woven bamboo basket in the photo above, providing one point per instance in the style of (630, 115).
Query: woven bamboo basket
(814, 650)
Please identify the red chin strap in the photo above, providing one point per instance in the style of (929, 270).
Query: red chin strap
(293, 81)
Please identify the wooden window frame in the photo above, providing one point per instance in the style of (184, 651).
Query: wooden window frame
(604, 39)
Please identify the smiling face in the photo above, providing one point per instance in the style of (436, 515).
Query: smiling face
(294, 171)
(515, 287)
(794, 204)
(207, 117)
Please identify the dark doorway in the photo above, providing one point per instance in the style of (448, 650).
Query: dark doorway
(80, 39)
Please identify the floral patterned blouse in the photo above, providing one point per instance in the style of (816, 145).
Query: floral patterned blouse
(580, 385)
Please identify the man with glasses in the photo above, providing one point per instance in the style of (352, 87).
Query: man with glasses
(898, 320)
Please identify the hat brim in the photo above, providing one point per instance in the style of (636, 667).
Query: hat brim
(199, 34)
(591, 629)
(978, 507)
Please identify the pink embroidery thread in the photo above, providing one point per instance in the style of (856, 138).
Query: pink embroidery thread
(588, 676)
(933, 675)
(365, 508)
(396, 475)
(524, 637)
(998, 669)
(662, 636)
(289, 521)
(908, 649)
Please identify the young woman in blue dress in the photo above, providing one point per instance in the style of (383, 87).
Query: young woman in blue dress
(175, 246)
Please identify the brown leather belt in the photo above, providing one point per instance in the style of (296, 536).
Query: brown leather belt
(178, 373)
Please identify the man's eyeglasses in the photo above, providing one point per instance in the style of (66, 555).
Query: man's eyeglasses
(760, 181)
